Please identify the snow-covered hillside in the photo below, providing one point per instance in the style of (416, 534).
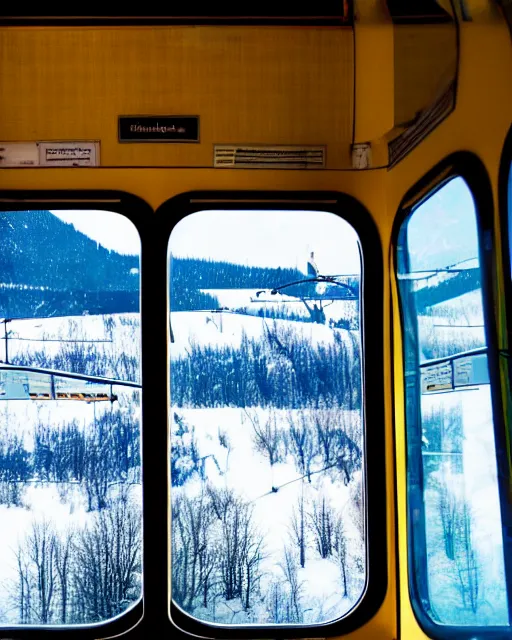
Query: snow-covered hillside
(290, 478)
(70, 478)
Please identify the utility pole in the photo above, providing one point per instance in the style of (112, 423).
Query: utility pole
(5, 321)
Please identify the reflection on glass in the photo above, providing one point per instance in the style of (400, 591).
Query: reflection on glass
(70, 405)
(459, 538)
(267, 437)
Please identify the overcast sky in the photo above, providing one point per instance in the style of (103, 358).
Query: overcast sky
(259, 238)
(112, 230)
(442, 231)
(269, 238)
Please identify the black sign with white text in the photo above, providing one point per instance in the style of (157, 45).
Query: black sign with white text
(158, 128)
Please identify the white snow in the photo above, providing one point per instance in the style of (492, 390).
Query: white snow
(476, 486)
(250, 474)
(62, 504)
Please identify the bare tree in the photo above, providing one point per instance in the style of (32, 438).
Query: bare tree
(35, 590)
(447, 503)
(466, 561)
(322, 524)
(267, 437)
(302, 442)
(337, 447)
(97, 475)
(298, 528)
(193, 556)
(23, 587)
(107, 562)
(289, 569)
(276, 602)
(99, 467)
(241, 546)
(63, 566)
(340, 552)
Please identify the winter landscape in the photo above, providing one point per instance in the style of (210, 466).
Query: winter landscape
(70, 470)
(267, 433)
(464, 582)
(267, 430)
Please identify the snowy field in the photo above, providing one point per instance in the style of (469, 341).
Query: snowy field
(292, 477)
(452, 326)
(466, 579)
(69, 474)
(248, 300)
(463, 522)
(96, 345)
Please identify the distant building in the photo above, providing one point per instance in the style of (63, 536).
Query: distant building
(312, 268)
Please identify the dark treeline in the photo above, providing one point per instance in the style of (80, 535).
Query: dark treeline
(104, 454)
(212, 274)
(189, 275)
(74, 273)
(276, 313)
(22, 303)
(459, 284)
(40, 250)
(283, 370)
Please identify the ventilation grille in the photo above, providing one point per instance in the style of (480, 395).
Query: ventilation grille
(254, 157)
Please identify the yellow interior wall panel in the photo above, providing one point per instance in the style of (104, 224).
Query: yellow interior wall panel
(272, 85)
(374, 73)
(425, 65)
(479, 124)
(268, 85)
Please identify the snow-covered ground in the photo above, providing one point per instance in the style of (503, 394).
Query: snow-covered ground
(63, 505)
(226, 329)
(281, 303)
(466, 579)
(469, 588)
(274, 491)
(112, 341)
(222, 441)
(452, 326)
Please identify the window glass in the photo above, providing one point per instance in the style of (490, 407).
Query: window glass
(70, 406)
(267, 430)
(454, 508)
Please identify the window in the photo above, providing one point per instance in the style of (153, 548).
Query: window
(70, 407)
(457, 564)
(270, 471)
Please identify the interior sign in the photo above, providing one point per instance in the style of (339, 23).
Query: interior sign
(436, 377)
(68, 154)
(158, 129)
(50, 154)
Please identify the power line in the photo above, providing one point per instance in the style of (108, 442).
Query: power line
(55, 340)
(285, 484)
(460, 326)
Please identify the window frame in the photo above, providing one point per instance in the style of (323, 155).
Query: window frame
(352, 211)
(505, 212)
(471, 169)
(139, 213)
